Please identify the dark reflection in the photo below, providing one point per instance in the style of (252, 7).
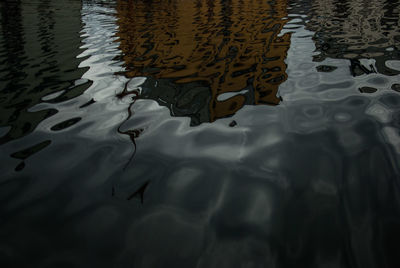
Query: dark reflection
(140, 192)
(37, 58)
(25, 153)
(356, 30)
(65, 124)
(326, 68)
(13, 43)
(205, 59)
(131, 133)
(357, 68)
(396, 87)
(367, 89)
(90, 102)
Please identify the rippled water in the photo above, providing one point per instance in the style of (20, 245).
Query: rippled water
(182, 133)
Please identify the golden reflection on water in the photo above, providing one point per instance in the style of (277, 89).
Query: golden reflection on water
(229, 45)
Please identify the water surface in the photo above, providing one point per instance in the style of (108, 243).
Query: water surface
(199, 133)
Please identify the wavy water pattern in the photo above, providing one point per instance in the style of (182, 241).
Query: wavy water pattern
(37, 61)
(119, 178)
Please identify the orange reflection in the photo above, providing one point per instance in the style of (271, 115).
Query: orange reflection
(228, 45)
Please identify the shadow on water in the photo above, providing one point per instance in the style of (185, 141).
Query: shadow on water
(205, 59)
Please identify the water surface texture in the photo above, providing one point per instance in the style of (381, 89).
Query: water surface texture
(231, 133)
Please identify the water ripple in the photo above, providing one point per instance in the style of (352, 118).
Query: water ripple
(131, 134)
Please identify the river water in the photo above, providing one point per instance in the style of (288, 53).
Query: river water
(231, 133)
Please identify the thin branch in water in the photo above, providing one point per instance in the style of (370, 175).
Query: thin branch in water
(133, 134)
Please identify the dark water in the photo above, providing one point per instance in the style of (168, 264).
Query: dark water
(231, 133)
